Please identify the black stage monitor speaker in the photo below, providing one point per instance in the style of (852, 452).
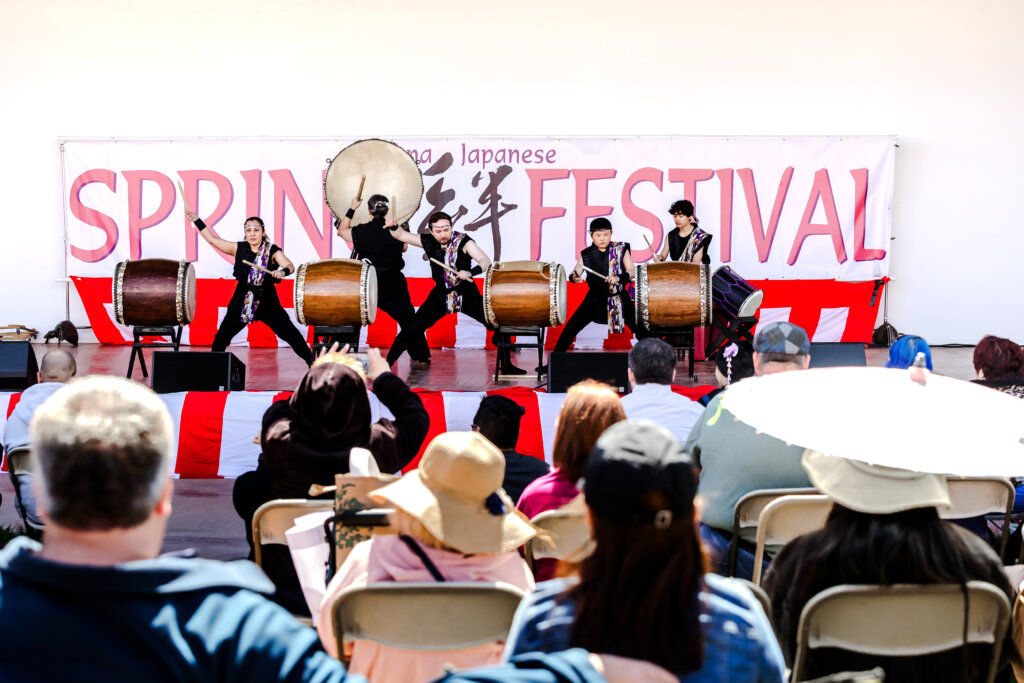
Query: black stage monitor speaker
(18, 367)
(197, 371)
(837, 354)
(566, 369)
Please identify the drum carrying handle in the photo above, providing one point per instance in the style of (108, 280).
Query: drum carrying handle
(498, 265)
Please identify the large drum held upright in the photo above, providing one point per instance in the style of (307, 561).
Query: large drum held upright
(334, 292)
(672, 295)
(154, 292)
(732, 296)
(525, 294)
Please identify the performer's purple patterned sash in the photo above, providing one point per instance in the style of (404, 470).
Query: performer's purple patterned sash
(693, 246)
(255, 279)
(615, 319)
(451, 280)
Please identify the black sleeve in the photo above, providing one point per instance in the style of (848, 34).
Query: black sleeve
(273, 250)
(705, 244)
(410, 425)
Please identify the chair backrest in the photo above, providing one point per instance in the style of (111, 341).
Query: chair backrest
(748, 511)
(902, 620)
(784, 519)
(18, 461)
(425, 616)
(275, 517)
(563, 534)
(759, 594)
(977, 496)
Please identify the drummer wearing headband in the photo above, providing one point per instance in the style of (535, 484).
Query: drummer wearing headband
(453, 291)
(377, 241)
(255, 297)
(686, 242)
(610, 268)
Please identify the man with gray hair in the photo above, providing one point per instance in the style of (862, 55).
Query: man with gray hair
(102, 453)
(57, 368)
(652, 367)
(735, 459)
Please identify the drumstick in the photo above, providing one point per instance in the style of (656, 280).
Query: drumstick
(268, 272)
(591, 270)
(181, 188)
(394, 211)
(450, 270)
(359, 194)
(648, 242)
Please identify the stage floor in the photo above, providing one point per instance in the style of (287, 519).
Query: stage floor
(270, 369)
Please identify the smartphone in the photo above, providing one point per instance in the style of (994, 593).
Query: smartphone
(364, 360)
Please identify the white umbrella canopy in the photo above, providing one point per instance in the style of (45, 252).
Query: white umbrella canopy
(882, 417)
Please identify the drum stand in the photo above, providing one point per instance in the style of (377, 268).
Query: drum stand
(736, 330)
(139, 331)
(325, 335)
(506, 334)
(681, 339)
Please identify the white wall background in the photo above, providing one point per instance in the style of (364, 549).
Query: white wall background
(945, 76)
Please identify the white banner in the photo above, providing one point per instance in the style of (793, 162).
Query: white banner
(778, 208)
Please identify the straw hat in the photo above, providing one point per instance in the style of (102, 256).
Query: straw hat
(456, 495)
(874, 489)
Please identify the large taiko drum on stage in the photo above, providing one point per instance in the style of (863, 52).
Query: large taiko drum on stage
(154, 292)
(370, 167)
(672, 294)
(336, 291)
(525, 294)
(733, 297)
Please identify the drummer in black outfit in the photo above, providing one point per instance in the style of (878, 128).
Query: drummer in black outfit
(255, 297)
(377, 242)
(607, 294)
(686, 242)
(453, 293)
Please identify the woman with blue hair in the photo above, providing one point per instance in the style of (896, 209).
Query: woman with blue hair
(905, 349)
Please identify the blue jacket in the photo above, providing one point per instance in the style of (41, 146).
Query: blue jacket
(739, 644)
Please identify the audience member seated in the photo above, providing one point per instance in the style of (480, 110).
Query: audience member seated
(589, 408)
(643, 592)
(56, 369)
(498, 419)
(735, 362)
(735, 459)
(307, 439)
(1000, 364)
(652, 367)
(453, 521)
(904, 350)
(95, 602)
(884, 529)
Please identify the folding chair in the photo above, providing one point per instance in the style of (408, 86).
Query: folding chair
(19, 464)
(564, 534)
(748, 509)
(759, 594)
(275, 517)
(425, 615)
(977, 496)
(784, 519)
(903, 620)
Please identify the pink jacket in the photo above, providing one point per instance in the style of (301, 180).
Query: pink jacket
(549, 492)
(385, 558)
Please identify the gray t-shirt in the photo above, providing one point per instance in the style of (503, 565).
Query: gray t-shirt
(736, 460)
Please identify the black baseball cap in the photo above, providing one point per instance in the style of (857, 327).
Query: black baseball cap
(631, 460)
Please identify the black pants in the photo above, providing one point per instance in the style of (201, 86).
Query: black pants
(591, 308)
(393, 298)
(436, 307)
(270, 312)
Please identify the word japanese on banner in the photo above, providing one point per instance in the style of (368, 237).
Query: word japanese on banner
(214, 430)
(813, 213)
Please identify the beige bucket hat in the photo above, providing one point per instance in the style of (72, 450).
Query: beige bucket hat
(874, 489)
(456, 494)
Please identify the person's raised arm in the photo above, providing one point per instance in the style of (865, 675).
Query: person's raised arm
(217, 242)
(345, 222)
(576, 275)
(395, 444)
(478, 255)
(403, 235)
(286, 266)
(663, 254)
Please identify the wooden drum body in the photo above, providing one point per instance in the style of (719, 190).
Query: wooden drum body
(335, 292)
(525, 294)
(154, 292)
(671, 295)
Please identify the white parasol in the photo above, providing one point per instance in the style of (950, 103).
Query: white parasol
(883, 417)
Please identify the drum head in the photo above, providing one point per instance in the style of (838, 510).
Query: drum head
(751, 304)
(371, 292)
(558, 284)
(389, 170)
(188, 298)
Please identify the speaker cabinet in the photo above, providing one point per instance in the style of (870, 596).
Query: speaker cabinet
(566, 369)
(197, 371)
(18, 368)
(837, 354)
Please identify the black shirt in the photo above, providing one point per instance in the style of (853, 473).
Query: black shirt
(520, 470)
(245, 253)
(373, 241)
(434, 249)
(597, 260)
(677, 245)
